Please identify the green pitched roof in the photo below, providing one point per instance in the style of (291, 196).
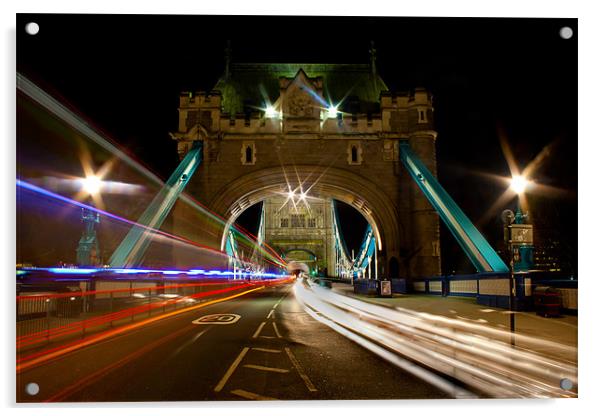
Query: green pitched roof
(251, 85)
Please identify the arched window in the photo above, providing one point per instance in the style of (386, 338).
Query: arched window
(354, 154)
(248, 155)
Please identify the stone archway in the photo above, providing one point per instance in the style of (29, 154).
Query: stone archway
(364, 195)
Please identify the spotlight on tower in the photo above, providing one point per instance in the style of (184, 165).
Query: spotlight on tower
(270, 112)
(332, 111)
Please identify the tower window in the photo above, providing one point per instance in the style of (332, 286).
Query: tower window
(311, 223)
(298, 221)
(354, 153)
(247, 151)
(422, 116)
(283, 222)
(249, 155)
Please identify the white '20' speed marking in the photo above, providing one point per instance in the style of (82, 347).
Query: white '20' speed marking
(217, 319)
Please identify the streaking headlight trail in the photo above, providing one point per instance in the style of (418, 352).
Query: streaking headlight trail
(476, 355)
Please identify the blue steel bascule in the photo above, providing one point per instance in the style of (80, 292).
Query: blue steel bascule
(483, 257)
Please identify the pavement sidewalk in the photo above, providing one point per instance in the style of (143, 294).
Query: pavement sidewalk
(562, 330)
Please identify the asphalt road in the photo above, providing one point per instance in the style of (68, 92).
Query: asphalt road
(273, 351)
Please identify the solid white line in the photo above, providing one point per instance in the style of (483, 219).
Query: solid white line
(276, 330)
(261, 325)
(310, 386)
(263, 368)
(271, 314)
(231, 370)
(250, 395)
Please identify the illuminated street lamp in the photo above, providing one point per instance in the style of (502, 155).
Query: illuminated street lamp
(92, 184)
(88, 249)
(519, 237)
(519, 184)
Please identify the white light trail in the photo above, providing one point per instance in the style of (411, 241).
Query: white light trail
(476, 355)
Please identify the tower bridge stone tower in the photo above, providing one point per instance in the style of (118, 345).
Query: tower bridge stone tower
(329, 129)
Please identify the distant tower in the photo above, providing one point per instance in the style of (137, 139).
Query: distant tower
(301, 232)
(424, 218)
(88, 252)
(372, 58)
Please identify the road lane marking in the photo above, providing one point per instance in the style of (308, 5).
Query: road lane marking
(266, 350)
(189, 342)
(102, 336)
(261, 325)
(276, 330)
(263, 368)
(267, 337)
(217, 319)
(280, 300)
(231, 370)
(310, 386)
(252, 396)
(271, 314)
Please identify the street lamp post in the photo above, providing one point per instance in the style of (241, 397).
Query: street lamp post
(89, 241)
(512, 291)
(519, 237)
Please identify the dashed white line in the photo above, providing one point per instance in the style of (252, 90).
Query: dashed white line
(280, 300)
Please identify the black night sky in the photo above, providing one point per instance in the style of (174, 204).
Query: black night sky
(515, 76)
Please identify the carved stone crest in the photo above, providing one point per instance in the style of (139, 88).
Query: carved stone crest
(300, 104)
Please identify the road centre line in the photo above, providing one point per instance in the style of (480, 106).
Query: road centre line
(231, 370)
(280, 300)
(310, 386)
(261, 325)
(250, 395)
(266, 350)
(263, 368)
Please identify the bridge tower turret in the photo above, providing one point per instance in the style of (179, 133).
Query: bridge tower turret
(424, 218)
